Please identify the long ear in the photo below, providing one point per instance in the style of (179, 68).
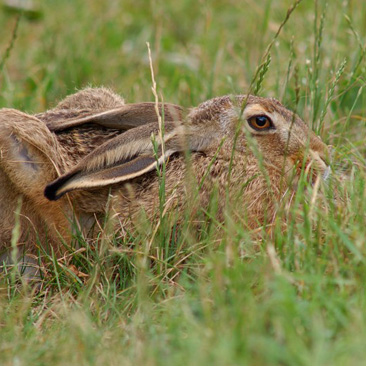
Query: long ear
(122, 158)
(122, 118)
(30, 153)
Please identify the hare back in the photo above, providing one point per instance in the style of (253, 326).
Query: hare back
(89, 118)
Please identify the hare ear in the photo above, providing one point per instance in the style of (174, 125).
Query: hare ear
(29, 152)
(123, 118)
(30, 156)
(124, 157)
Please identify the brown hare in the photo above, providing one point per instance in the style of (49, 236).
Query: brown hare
(93, 146)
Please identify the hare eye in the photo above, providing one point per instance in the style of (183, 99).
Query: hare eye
(260, 122)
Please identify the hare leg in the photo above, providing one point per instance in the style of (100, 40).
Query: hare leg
(28, 265)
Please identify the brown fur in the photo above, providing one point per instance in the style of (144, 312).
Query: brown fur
(46, 155)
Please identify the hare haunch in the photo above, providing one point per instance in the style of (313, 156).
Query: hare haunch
(94, 146)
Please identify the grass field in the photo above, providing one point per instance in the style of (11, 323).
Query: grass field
(289, 296)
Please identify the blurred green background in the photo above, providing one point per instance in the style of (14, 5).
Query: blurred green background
(201, 49)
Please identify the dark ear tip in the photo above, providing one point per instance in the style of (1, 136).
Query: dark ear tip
(50, 192)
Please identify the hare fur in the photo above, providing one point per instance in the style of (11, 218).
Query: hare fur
(89, 160)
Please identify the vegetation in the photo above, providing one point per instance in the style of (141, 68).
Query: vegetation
(290, 294)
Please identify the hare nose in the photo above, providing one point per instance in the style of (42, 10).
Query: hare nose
(322, 157)
(326, 156)
(322, 151)
(320, 161)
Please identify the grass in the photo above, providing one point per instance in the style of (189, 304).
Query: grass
(292, 296)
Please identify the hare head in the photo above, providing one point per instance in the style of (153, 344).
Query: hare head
(244, 145)
(281, 141)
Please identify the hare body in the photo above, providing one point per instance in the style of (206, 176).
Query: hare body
(99, 150)
(32, 156)
(251, 187)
